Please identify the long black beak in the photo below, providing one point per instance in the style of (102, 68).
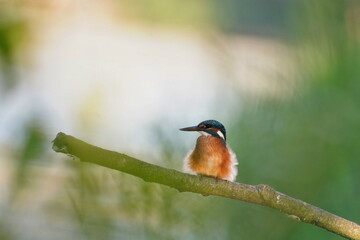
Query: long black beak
(193, 128)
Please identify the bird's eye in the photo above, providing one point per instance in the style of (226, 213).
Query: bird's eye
(202, 126)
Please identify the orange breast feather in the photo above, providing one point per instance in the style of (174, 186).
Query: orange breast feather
(210, 157)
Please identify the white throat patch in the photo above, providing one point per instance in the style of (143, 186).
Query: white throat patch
(221, 134)
(203, 133)
(207, 134)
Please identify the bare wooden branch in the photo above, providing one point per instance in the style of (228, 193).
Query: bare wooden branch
(260, 194)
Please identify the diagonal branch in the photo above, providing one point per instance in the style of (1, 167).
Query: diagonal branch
(259, 194)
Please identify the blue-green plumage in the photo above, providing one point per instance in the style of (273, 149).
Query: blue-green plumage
(211, 124)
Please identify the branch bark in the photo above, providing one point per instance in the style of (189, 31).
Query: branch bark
(260, 194)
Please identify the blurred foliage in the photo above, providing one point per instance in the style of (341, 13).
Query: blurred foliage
(14, 36)
(306, 146)
(260, 17)
(30, 151)
(173, 13)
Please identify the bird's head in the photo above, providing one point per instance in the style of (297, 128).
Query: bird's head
(209, 127)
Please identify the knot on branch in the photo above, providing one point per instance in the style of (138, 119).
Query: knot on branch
(266, 192)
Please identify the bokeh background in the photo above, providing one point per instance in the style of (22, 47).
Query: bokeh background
(282, 76)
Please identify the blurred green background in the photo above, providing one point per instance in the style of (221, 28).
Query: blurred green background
(283, 77)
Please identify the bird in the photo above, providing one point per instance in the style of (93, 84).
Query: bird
(211, 155)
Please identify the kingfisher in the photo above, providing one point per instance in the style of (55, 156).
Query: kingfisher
(211, 155)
